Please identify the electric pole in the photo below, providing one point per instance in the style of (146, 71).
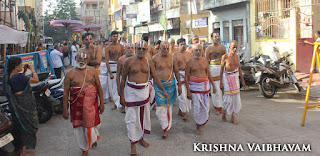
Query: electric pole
(99, 15)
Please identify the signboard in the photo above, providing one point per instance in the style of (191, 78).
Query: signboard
(201, 22)
(131, 15)
(158, 27)
(198, 23)
(142, 30)
(173, 13)
(43, 57)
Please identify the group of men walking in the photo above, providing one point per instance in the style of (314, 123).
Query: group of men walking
(139, 77)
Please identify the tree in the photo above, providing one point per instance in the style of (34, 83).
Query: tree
(64, 9)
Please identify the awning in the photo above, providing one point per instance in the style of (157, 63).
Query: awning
(11, 36)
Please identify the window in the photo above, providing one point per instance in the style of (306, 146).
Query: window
(226, 31)
(94, 6)
(272, 19)
(238, 31)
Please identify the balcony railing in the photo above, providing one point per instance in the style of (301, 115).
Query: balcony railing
(210, 4)
(90, 12)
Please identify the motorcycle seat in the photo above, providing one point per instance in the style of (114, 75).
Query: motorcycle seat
(52, 83)
(3, 99)
(246, 68)
(37, 86)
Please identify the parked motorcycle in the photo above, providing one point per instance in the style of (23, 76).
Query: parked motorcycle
(42, 96)
(278, 75)
(56, 89)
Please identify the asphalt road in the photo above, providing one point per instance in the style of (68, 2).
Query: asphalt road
(261, 120)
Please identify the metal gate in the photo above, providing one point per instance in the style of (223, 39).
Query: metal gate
(304, 32)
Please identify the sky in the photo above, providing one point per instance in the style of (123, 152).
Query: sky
(46, 2)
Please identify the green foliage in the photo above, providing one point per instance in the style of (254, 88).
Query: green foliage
(64, 9)
(30, 24)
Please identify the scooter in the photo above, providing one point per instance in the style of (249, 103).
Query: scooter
(278, 75)
(42, 96)
(56, 89)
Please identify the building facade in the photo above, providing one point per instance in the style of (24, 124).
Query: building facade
(284, 25)
(95, 12)
(231, 19)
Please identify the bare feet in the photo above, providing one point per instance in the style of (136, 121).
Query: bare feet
(180, 113)
(218, 112)
(114, 107)
(165, 135)
(199, 131)
(122, 110)
(144, 143)
(111, 100)
(224, 117)
(94, 145)
(185, 117)
(233, 120)
(133, 150)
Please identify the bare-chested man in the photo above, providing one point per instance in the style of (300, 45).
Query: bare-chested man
(214, 54)
(204, 47)
(172, 49)
(150, 48)
(229, 83)
(113, 52)
(83, 85)
(195, 40)
(104, 74)
(95, 52)
(197, 82)
(129, 50)
(136, 94)
(165, 67)
(156, 48)
(181, 57)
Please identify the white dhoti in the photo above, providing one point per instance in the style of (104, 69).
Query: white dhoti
(231, 101)
(184, 102)
(216, 97)
(139, 99)
(86, 136)
(164, 114)
(200, 89)
(113, 88)
(104, 80)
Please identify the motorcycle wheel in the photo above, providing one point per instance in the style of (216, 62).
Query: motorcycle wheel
(266, 90)
(297, 86)
(45, 109)
(58, 109)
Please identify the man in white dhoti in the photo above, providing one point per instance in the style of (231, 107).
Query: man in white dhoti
(83, 85)
(137, 94)
(165, 68)
(104, 77)
(229, 75)
(197, 83)
(213, 54)
(113, 52)
(181, 57)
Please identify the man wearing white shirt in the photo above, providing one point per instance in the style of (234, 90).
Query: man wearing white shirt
(56, 59)
(74, 50)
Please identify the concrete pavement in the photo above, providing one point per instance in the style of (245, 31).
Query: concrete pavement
(261, 120)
